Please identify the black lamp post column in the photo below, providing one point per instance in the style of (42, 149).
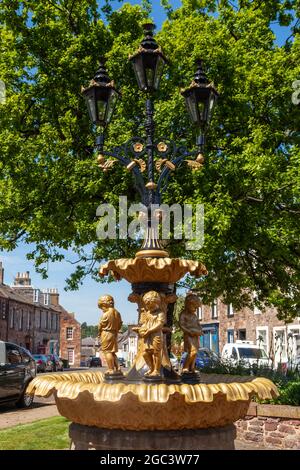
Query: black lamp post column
(150, 150)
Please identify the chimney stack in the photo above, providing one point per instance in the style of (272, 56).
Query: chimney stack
(1, 274)
(53, 295)
(22, 279)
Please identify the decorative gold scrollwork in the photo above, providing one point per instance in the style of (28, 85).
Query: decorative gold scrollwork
(137, 161)
(106, 165)
(164, 161)
(193, 164)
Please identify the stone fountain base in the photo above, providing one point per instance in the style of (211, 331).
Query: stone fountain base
(93, 438)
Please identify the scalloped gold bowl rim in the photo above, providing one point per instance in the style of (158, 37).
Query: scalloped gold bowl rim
(152, 269)
(70, 385)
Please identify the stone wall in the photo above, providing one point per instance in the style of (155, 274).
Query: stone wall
(271, 426)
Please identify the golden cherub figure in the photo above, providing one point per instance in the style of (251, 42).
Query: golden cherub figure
(192, 330)
(152, 321)
(109, 326)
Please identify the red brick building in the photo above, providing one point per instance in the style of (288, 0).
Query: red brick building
(70, 338)
(222, 324)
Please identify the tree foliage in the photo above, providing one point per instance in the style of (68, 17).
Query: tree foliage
(250, 185)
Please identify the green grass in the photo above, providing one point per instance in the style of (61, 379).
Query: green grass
(46, 434)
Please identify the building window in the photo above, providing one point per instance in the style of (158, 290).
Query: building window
(3, 309)
(21, 320)
(28, 320)
(242, 335)
(40, 319)
(199, 313)
(256, 310)
(214, 309)
(293, 344)
(230, 336)
(71, 356)
(46, 298)
(12, 318)
(69, 333)
(230, 311)
(280, 348)
(36, 293)
(262, 338)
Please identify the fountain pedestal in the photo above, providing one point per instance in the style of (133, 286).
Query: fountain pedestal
(93, 438)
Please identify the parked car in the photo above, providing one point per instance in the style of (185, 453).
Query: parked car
(17, 369)
(43, 363)
(174, 361)
(246, 352)
(57, 363)
(95, 362)
(205, 358)
(122, 361)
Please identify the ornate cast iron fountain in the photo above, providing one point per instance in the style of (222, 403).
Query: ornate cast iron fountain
(152, 406)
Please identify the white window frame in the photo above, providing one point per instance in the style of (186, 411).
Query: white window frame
(36, 295)
(256, 310)
(72, 330)
(200, 313)
(291, 345)
(214, 309)
(284, 355)
(267, 345)
(71, 350)
(230, 310)
(46, 298)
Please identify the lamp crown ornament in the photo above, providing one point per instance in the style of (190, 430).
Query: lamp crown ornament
(101, 75)
(149, 42)
(200, 75)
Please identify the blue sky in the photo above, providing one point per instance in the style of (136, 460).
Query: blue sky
(84, 301)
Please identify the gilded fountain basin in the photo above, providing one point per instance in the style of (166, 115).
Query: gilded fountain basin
(85, 398)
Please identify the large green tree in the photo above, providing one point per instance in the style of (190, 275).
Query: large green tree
(250, 185)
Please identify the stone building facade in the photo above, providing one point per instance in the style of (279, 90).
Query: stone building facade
(70, 338)
(223, 324)
(30, 317)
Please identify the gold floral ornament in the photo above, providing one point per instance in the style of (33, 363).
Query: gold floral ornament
(218, 400)
(138, 147)
(162, 147)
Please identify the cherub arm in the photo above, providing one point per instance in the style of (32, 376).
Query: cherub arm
(158, 324)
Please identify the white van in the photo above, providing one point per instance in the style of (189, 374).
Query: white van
(246, 351)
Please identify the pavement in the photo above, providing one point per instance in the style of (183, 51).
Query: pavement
(42, 408)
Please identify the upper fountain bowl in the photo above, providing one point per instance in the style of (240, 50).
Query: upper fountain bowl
(168, 270)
